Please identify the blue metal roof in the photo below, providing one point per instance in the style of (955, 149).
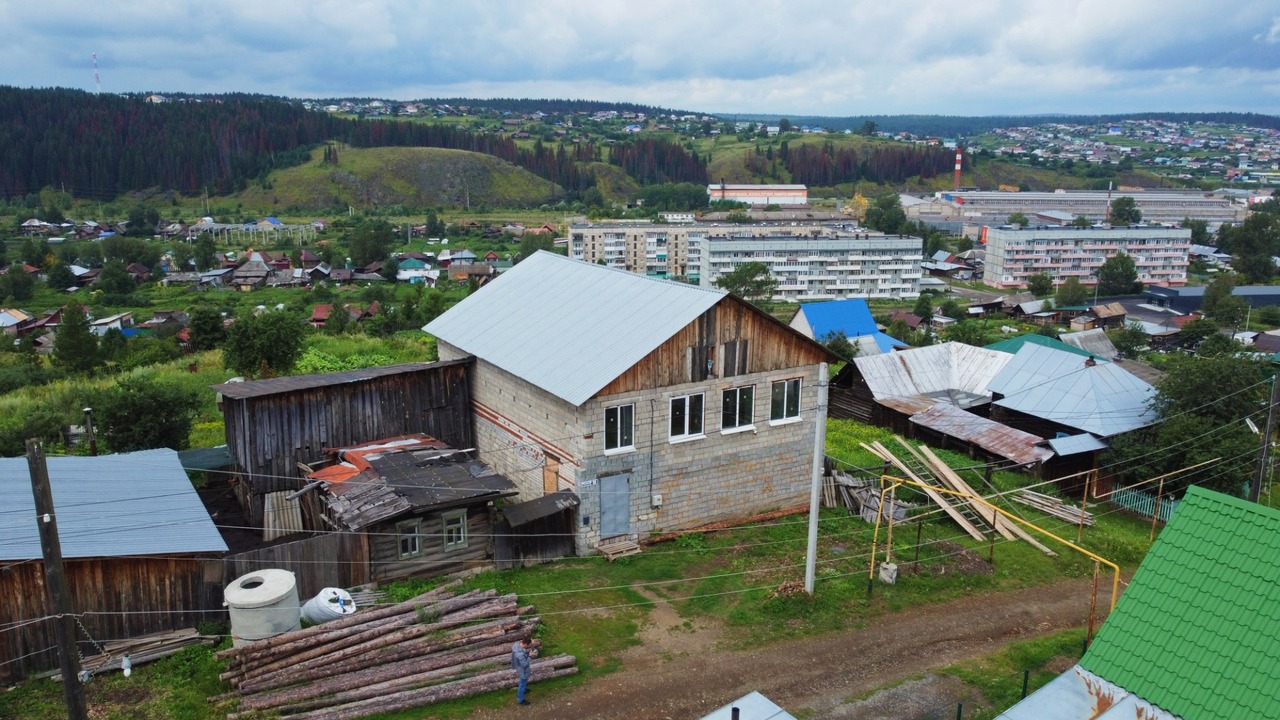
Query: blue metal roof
(1076, 444)
(752, 706)
(850, 316)
(137, 503)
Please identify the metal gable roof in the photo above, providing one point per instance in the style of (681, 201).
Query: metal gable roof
(1102, 399)
(850, 316)
(946, 370)
(567, 326)
(138, 503)
(1195, 632)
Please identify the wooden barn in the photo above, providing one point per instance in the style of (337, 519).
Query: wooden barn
(273, 426)
(423, 507)
(140, 554)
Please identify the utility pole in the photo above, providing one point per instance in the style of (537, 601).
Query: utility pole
(1267, 434)
(815, 489)
(55, 582)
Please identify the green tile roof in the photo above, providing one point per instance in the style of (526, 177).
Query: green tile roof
(1014, 344)
(1197, 633)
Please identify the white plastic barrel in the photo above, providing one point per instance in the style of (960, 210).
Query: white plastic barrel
(262, 604)
(328, 604)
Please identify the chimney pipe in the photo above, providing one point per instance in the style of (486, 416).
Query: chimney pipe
(959, 154)
(733, 713)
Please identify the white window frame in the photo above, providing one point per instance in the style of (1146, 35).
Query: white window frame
(451, 543)
(691, 430)
(739, 426)
(790, 401)
(414, 536)
(629, 412)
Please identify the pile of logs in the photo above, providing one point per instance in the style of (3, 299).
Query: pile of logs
(438, 646)
(1051, 505)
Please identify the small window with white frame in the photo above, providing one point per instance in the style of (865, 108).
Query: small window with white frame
(739, 407)
(686, 417)
(784, 402)
(454, 529)
(409, 536)
(619, 428)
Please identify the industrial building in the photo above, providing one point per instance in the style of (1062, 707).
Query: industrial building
(759, 194)
(1157, 206)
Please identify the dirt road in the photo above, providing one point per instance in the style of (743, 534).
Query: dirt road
(677, 674)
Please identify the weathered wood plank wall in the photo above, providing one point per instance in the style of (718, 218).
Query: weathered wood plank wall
(336, 559)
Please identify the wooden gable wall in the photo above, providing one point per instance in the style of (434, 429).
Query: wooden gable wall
(739, 339)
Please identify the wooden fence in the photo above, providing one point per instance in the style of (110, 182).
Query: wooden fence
(330, 560)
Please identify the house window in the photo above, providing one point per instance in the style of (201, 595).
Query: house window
(784, 402)
(619, 423)
(455, 529)
(410, 538)
(686, 416)
(738, 406)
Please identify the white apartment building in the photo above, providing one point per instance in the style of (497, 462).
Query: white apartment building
(1160, 254)
(815, 261)
(822, 264)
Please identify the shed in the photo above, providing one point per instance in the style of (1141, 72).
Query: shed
(140, 552)
(272, 425)
(425, 507)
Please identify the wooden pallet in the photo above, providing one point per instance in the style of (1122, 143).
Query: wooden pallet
(614, 550)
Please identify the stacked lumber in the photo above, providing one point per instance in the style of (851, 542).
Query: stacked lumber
(437, 646)
(143, 649)
(1051, 505)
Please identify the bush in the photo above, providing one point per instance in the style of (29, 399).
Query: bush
(140, 413)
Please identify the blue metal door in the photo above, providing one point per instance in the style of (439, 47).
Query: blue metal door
(615, 505)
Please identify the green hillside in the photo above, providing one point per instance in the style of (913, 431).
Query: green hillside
(412, 177)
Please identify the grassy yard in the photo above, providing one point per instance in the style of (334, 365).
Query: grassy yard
(734, 577)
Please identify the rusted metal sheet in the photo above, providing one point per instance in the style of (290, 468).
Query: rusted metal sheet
(1001, 440)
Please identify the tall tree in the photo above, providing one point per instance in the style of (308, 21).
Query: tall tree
(1118, 275)
(115, 279)
(264, 345)
(1253, 243)
(17, 284)
(751, 281)
(1071, 293)
(1040, 285)
(207, 329)
(1124, 211)
(886, 214)
(370, 241)
(140, 413)
(205, 252)
(75, 347)
(1019, 218)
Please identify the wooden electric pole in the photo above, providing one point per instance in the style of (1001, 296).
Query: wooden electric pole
(55, 583)
(1267, 434)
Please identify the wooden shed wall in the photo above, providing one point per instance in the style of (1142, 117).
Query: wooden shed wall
(384, 547)
(158, 595)
(332, 559)
(270, 434)
(718, 334)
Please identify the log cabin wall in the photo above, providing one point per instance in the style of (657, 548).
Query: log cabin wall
(386, 565)
(135, 596)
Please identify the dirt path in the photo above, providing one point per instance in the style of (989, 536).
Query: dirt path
(677, 674)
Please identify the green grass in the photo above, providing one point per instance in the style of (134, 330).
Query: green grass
(997, 679)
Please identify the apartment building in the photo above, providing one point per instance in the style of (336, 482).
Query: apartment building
(1012, 256)
(822, 264)
(653, 249)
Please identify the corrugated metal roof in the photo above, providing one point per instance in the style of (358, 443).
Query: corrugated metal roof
(989, 435)
(1078, 694)
(1094, 342)
(1076, 444)
(1013, 345)
(1102, 399)
(567, 326)
(953, 372)
(752, 706)
(273, 386)
(526, 512)
(1195, 632)
(206, 458)
(137, 503)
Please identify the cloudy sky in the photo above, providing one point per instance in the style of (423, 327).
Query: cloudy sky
(799, 57)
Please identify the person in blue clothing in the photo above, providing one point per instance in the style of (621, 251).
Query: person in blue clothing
(521, 654)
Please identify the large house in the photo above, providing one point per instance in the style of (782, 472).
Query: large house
(650, 405)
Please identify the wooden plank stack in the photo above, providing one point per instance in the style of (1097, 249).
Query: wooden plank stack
(435, 647)
(1051, 505)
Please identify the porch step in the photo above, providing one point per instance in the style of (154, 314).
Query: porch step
(614, 550)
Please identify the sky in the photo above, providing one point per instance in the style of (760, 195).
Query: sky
(799, 57)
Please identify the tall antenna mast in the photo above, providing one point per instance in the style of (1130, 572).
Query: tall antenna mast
(97, 81)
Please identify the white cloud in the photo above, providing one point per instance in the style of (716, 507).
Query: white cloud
(804, 57)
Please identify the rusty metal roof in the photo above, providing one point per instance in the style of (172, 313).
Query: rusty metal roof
(262, 388)
(995, 438)
(401, 480)
(951, 372)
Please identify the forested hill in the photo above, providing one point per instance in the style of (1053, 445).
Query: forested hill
(962, 126)
(102, 145)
